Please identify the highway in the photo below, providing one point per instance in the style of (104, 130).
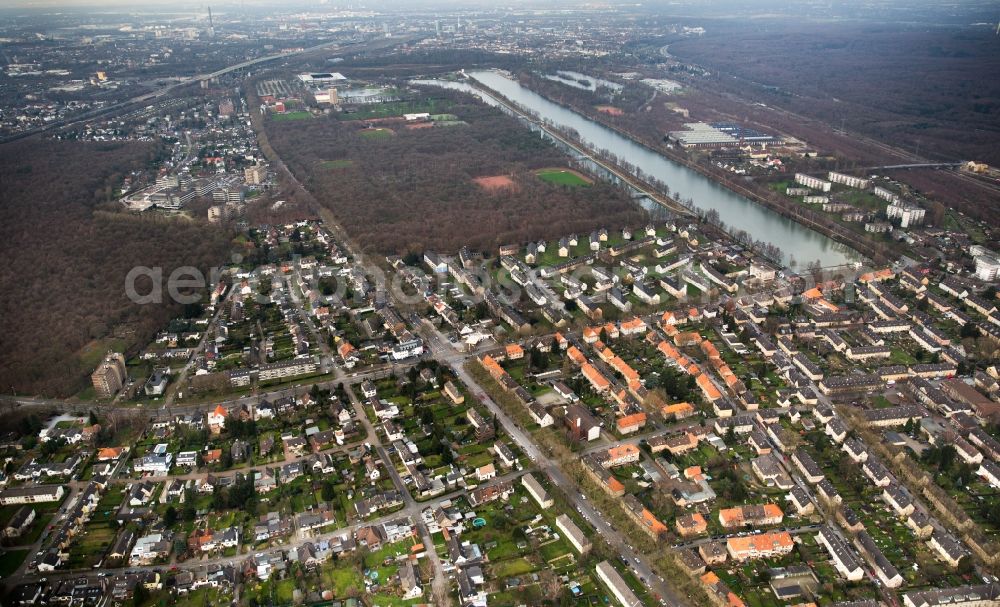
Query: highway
(919, 165)
(165, 90)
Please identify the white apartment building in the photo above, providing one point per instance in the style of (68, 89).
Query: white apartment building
(908, 215)
(617, 585)
(573, 534)
(885, 194)
(987, 268)
(812, 182)
(848, 180)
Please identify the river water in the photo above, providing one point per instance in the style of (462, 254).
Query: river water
(799, 244)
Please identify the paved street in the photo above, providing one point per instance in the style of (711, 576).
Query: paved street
(439, 585)
(639, 563)
(444, 352)
(164, 412)
(411, 510)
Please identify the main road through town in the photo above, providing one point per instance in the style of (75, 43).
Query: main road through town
(444, 353)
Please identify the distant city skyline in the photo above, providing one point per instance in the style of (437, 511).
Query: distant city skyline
(713, 8)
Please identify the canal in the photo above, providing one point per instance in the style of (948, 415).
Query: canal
(799, 244)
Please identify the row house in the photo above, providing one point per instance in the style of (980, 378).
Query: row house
(763, 545)
(799, 499)
(884, 570)
(604, 478)
(751, 515)
(642, 517)
(844, 560)
(807, 466)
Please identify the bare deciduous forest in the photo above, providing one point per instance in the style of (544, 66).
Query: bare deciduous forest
(915, 87)
(414, 190)
(62, 296)
(648, 118)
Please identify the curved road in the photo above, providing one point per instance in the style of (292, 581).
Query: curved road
(185, 81)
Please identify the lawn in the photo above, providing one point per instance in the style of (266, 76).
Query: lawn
(508, 568)
(880, 402)
(109, 502)
(34, 532)
(566, 177)
(202, 597)
(901, 357)
(553, 550)
(339, 578)
(10, 560)
(861, 198)
(393, 108)
(376, 133)
(781, 186)
(91, 354)
(284, 591)
(89, 549)
(301, 115)
(94, 351)
(551, 255)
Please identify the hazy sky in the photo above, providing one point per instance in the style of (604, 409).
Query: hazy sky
(720, 5)
(960, 11)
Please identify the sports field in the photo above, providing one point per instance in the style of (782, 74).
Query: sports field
(376, 133)
(302, 115)
(567, 177)
(495, 183)
(393, 108)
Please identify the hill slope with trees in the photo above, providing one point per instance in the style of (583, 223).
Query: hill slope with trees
(67, 252)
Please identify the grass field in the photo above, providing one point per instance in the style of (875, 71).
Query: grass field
(336, 164)
(376, 133)
(34, 531)
(565, 177)
(88, 549)
(395, 108)
(10, 560)
(202, 597)
(860, 198)
(303, 115)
